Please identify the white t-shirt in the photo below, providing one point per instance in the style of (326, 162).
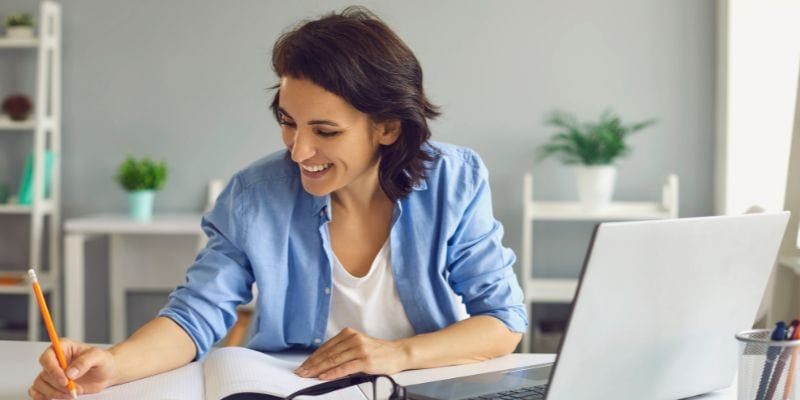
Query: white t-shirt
(369, 304)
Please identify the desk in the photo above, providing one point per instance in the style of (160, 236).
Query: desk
(144, 256)
(19, 366)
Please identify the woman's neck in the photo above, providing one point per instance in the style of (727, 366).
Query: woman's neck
(362, 195)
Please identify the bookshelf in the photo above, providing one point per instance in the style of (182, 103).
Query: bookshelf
(43, 214)
(562, 291)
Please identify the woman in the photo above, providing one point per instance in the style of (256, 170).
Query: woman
(363, 238)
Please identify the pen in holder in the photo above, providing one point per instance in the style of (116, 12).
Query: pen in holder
(768, 369)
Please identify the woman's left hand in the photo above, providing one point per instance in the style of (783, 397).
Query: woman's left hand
(352, 351)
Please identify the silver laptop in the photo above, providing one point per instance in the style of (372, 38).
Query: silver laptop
(654, 315)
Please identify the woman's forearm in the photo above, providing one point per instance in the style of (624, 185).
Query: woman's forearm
(474, 339)
(158, 346)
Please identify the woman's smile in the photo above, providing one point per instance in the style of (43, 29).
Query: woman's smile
(315, 171)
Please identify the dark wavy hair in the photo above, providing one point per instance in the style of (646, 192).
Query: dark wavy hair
(355, 55)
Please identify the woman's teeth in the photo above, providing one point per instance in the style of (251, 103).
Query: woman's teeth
(315, 168)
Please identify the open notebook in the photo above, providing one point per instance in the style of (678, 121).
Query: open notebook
(221, 373)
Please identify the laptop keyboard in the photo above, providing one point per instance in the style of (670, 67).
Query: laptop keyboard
(531, 393)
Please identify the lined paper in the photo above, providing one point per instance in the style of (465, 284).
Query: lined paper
(232, 370)
(185, 383)
(223, 372)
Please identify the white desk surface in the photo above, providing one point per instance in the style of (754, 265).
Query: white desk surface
(19, 366)
(123, 224)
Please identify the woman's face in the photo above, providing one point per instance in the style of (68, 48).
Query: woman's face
(334, 145)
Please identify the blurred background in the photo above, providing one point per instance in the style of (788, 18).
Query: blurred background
(187, 83)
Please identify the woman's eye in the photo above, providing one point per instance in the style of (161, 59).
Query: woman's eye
(326, 133)
(286, 123)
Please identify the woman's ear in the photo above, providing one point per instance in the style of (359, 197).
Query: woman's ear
(388, 132)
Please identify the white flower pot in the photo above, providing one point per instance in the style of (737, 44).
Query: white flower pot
(19, 32)
(596, 186)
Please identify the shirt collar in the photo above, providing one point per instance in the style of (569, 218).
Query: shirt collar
(322, 204)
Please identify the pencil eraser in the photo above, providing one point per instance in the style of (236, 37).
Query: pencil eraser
(32, 275)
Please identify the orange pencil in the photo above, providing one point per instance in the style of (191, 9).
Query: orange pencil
(51, 330)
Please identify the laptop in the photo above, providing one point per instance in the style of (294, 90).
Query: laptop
(654, 315)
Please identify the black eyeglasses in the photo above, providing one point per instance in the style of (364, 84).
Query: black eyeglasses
(380, 387)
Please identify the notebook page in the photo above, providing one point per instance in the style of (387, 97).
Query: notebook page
(231, 370)
(185, 383)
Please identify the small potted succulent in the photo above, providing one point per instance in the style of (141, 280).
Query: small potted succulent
(593, 147)
(19, 26)
(141, 179)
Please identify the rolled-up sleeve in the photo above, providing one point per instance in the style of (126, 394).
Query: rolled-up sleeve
(480, 268)
(220, 277)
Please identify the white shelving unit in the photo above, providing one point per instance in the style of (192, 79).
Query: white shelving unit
(45, 127)
(547, 290)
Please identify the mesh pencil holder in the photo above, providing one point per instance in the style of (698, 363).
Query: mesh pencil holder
(768, 370)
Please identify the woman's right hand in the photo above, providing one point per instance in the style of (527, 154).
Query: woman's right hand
(91, 368)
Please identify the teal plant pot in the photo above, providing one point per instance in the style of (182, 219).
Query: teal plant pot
(140, 204)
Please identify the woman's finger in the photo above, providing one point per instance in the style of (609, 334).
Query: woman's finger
(48, 391)
(343, 370)
(35, 395)
(83, 363)
(327, 358)
(55, 381)
(345, 353)
(49, 363)
(353, 353)
(323, 350)
(340, 337)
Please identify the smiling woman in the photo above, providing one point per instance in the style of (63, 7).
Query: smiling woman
(369, 245)
(335, 145)
(355, 56)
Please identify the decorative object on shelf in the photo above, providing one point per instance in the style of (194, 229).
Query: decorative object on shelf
(593, 147)
(141, 179)
(19, 26)
(25, 196)
(17, 106)
(11, 279)
(5, 192)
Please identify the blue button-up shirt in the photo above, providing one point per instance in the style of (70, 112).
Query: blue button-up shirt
(265, 228)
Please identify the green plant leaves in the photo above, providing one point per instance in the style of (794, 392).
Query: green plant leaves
(599, 143)
(22, 19)
(142, 174)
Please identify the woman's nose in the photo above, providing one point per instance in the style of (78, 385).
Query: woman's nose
(303, 147)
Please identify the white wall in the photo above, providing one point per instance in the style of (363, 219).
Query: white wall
(759, 59)
(185, 80)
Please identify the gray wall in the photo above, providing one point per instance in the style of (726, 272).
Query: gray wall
(186, 81)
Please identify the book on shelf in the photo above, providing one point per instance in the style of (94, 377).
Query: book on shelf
(12, 278)
(224, 372)
(25, 196)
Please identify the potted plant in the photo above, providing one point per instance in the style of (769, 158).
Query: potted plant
(19, 26)
(593, 147)
(141, 178)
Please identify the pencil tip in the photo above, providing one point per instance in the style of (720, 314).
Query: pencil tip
(74, 394)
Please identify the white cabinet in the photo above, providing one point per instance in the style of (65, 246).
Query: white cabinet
(143, 256)
(545, 290)
(45, 128)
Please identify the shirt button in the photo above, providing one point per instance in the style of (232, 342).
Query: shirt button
(317, 340)
(327, 290)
